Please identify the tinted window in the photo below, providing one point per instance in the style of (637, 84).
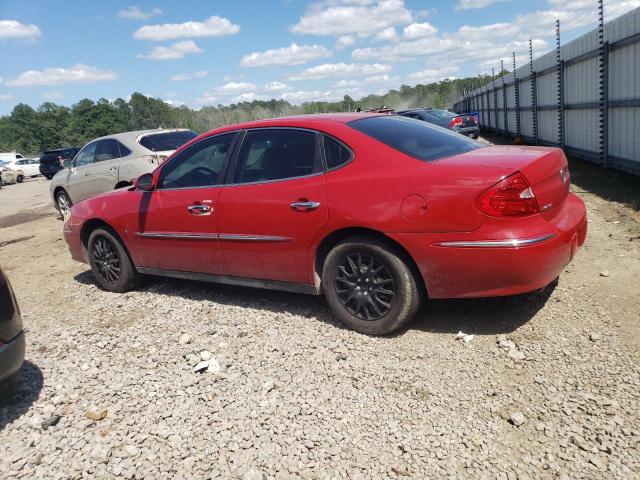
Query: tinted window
(107, 150)
(86, 155)
(335, 153)
(159, 142)
(275, 154)
(124, 151)
(200, 165)
(418, 139)
(19, 156)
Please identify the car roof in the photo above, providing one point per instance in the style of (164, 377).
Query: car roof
(134, 134)
(310, 121)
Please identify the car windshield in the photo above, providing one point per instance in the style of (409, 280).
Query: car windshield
(2, 162)
(413, 137)
(160, 142)
(442, 113)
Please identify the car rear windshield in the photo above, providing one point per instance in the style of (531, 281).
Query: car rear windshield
(159, 142)
(416, 138)
(442, 113)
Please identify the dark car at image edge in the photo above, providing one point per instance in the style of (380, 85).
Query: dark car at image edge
(52, 161)
(12, 344)
(465, 123)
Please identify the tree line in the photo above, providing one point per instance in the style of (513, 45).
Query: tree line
(32, 131)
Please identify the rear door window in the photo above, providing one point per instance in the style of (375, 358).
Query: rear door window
(276, 154)
(107, 150)
(416, 138)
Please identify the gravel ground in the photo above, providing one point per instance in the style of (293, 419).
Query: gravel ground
(548, 387)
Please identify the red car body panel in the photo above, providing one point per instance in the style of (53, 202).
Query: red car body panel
(253, 232)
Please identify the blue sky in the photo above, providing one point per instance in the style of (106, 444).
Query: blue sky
(219, 52)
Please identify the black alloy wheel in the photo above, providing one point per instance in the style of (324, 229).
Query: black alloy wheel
(365, 286)
(106, 260)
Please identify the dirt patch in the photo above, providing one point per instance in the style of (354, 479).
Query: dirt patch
(16, 240)
(24, 217)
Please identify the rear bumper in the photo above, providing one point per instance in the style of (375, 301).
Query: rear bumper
(12, 356)
(479, 264)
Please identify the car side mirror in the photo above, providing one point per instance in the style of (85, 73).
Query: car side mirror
(145, 182)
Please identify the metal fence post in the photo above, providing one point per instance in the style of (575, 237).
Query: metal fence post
(534, 94)
(504, 101)
(495, 98)
(516, 86)
(560, 88)
(603, 67)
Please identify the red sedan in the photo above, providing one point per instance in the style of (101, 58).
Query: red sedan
(373, 211)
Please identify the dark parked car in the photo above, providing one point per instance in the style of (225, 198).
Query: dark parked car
(53, 161)
(11, 337)
(465, 124)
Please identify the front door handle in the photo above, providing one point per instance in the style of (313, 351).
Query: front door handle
(304, 206)
(199, 209)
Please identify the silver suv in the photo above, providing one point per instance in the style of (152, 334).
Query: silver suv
(114, 161)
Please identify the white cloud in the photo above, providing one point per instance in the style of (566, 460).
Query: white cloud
(76, 74)
(432, 74)
(418, 30)
(5, 96)
(275, 87)
(345, 41)
(50, 96)
(387, 35)
(339, 69)
(364, 18)
(321, 95)
(248, 97)
(292, 55)
(173, 51)
(472, 4)
(181, 77)
(15, 29)
(174, 103)
(230, 88)
(134, 13)
(212, 27)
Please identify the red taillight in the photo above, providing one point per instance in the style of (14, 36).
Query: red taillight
(456, 122)
(475, 118)
(511, 197)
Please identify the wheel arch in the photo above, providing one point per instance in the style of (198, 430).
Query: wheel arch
(338, 236)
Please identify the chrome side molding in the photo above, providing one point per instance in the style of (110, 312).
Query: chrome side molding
(234, 237)
(509, 242)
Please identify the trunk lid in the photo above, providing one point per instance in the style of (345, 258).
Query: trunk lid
(545, 169)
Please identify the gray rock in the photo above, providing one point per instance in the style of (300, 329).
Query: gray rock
(517, 419)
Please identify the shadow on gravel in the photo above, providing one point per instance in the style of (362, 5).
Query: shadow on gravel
(483, 316)
(30, 382)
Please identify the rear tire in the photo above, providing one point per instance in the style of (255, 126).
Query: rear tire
(369, 286)
(110, 262)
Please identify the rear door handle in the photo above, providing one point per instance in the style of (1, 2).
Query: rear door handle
(304, 206)
(199, 209)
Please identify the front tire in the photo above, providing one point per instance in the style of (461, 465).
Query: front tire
(63, 203)
(20, 178)
(369, 286)
(110, 263)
